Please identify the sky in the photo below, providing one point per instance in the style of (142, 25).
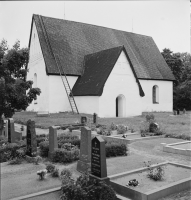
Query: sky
(166, 21)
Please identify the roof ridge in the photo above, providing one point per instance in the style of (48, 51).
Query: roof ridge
(98, 52)
(94, 25)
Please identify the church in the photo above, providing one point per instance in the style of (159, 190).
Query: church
(90, 69)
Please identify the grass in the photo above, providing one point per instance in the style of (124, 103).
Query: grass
(174, 126)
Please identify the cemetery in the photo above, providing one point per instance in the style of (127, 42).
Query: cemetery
(106, 156)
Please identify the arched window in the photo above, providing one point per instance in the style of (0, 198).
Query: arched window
(35, 80)
(155, 94)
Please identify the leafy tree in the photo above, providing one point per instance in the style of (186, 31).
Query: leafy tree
(180, 64)
(15, 92)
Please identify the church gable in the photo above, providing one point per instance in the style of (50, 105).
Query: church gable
(97, 69)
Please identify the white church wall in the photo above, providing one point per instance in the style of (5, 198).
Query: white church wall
(165, 98)
(87, 104)
(36, 66)
(120, 82)
(58, 100)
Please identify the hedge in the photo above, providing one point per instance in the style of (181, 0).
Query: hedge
(114, 149)
(64, 156)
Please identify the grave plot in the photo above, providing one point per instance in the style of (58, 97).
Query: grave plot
(176, 178)
(129, 138)
(182, 148)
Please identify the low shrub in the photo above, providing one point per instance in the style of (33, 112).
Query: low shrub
(114, 149)
(86, 188)
(39, 140)
(37, 159)
(42, 174)
(3, 140)
(182, 136)
(155, 173)
(44, 148)
(64, 156)
(50, 167)
(65, 173)
(67, 138)
(11, 151)
(121, 129)
(103, 131)
(113, 126)
(55, 173)
(15, 161)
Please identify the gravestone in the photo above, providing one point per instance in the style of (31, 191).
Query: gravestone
(178, 112)
(53, 142)
(11, 130)
(31, 138)
(98, 158)
(5, 129)
(184, 111)
(95, 118)
(84, 120)
(175, 112)
(84, 162)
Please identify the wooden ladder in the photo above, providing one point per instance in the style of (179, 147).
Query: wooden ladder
(66, 86)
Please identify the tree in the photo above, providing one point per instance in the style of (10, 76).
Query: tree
(15, 92)
(180, 64)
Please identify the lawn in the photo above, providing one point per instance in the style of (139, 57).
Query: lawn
(174, 125)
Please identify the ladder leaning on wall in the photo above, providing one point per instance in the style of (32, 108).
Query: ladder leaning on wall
(66, 86)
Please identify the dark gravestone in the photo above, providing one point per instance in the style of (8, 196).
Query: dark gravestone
(178, 112)
(98, 159)
(84, 162)
(175, 112)
(31, 138)
(11, 130)
(95, 118)
(83, 120)
(53, 142)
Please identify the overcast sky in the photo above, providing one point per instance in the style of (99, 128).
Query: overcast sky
(168, 22)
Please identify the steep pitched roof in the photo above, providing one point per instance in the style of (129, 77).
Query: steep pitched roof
(73, 40)
(97, 68)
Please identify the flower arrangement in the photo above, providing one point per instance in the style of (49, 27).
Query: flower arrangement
(42, 174)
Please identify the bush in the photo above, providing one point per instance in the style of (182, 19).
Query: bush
(67, 138)
(50, 167)
(39, 140)
(37, 159)
(64, 156)
(155, 173)
(55, 173)
(85, 188)
(65, 173)
(113, 126)
(121, 129)
(114, 149)
(11, 151)
(15, 161)
(182, 136)
(44, 148)
(3, 140)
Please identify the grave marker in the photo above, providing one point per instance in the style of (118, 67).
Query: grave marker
(84, 120)
(53, 142)
(98, 160)
(95, 118)
(31, 138)
(11, 130)
(84, 162)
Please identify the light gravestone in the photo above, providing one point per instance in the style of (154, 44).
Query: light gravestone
(31, 139)
(53, 142)
(11, 130)
(98, 159)
(84, 163)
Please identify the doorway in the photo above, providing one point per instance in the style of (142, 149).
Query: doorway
(120, 106)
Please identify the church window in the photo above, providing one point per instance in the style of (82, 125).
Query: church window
(155, 94)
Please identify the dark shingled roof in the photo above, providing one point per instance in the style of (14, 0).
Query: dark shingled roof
(71, 41)
(97, 68)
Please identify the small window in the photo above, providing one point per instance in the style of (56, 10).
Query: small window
(155, 94)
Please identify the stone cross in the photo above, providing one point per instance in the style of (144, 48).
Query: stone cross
(53, 142)
(98, 158)
(11, 130)
(31, 138)
(84, 162)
